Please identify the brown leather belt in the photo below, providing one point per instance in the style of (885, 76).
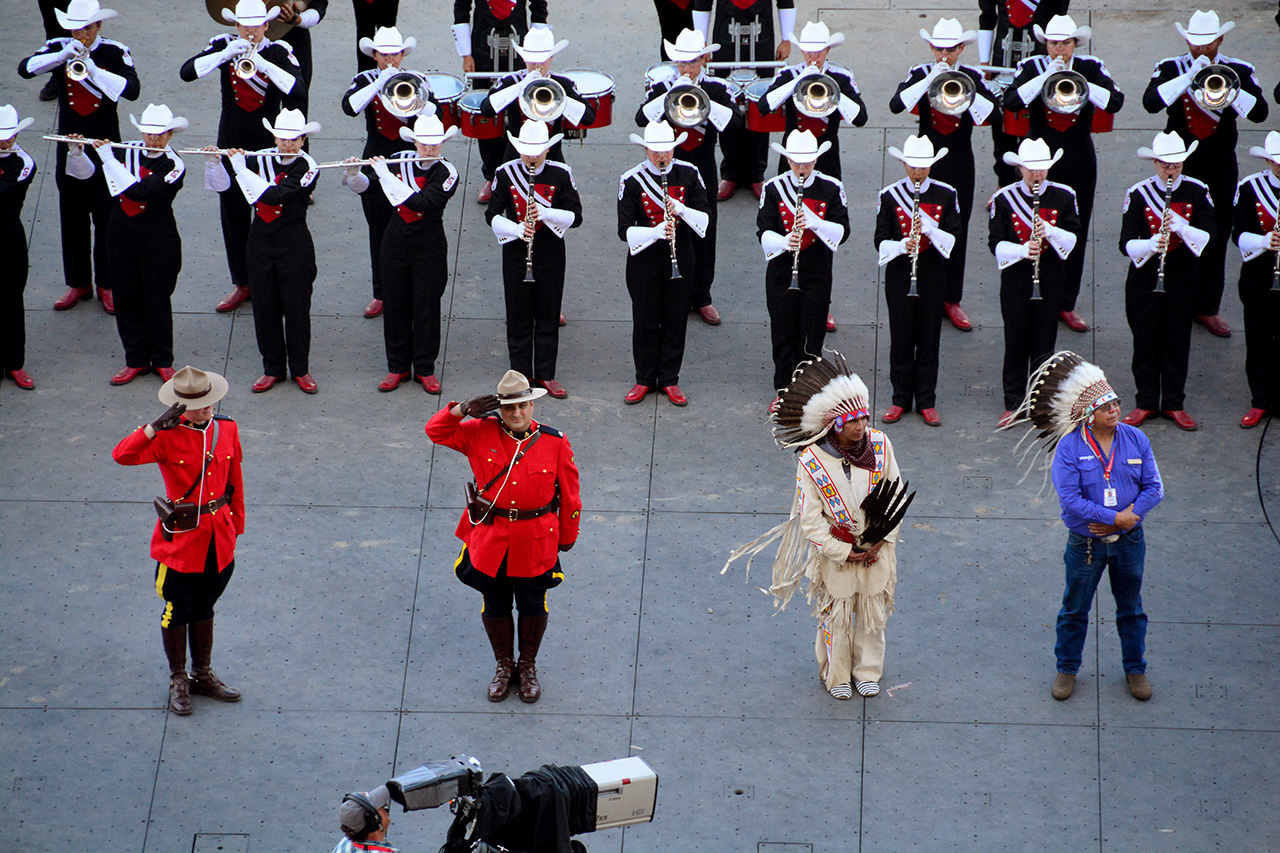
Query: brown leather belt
(486, 512)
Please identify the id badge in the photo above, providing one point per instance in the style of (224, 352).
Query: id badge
(1109, 497)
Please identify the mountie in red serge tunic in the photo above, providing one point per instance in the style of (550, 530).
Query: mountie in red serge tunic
(531, 546)
(180, 454)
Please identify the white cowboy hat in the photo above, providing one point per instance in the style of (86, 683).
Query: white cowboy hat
(1061, 28)
(540, 45)
(1204, 28)
(917, 151)
(1269, 150)
(948, 33)
(1033, 154)
(534, 138)
(157, 118)
(815, 37)
(387, 40)
(658, 136)
(82, 13)
(514, 387)
(194, 388)
(1168, 148)
(10, 126)
(802, 146)
(689, 45)
(290, 124)
(251, 13)
(429, 130)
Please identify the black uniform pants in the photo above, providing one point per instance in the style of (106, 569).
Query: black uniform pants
(672, 20)
(1262, 337)
(1081, 174)
(190, 596)
(957, 169)
(371, 14)
(282, 272)
(83, 205)
(530, 594)
(915, 329)
(146, 258)
(1030, 325)
(659, 315)
(1214, 163)
(533, 310)
(13, 321)
(377, 213)
(704, 248)
(237, 217)
(797, 319)
(414, 276)
(1003, 143)
(1161, 326)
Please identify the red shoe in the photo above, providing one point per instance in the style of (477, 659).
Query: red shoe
(71, 297)
(675, 395)
(931, 417)
(831, 323)
(166, 373)
(1182, 419)
(232, 300)
(306, 383)
(429, 383)
(107, 300)
(1249, 421)
(265, 383)
(1005, 419)
(709, 315)
(373, 309)
(128, 374)
(1074, 321)
(725, 191)
(554, 388)
(486, 193)
(774, 404)
(1138, 417)
(562, 321)
(393, 380)
(956, 315)
(636, 394)
(757, 189)
(893, 414)
(26, 383)
(1215, 324)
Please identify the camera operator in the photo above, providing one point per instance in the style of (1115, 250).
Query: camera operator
(365, 818)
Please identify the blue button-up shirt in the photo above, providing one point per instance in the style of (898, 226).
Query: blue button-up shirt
(1079, 481)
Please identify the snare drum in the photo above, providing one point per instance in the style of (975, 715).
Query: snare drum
(477, 126)
(447, 89)
(661, 72)
(596, 89)
(774, 122)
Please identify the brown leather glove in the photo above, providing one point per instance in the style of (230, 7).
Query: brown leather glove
(170, 418)
(476, 407)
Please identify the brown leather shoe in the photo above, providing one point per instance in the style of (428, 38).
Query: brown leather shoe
(373, 309)
(931, 417)
(893, 414)
(725, 191)
(1138, 417)
(956, 315)
(108, 301)
(709, 315)
(429, 383)
(554, 388)
(1215, 324)
(1249, 421)
(266, 383)
(233, 300)
(531, 630)
(203, 681)
(22, 379)
(1139, 686)
(392, 381)
(637, 393)
(306, 383)
(831, 323)
(675, 395)
(502, 638)
(1182, 419)
(71, 297)
(128, 374)
(1063, 684)
(1074, 321)
(180, 694)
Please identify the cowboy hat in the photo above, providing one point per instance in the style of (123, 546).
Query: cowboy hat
(290, 124)
(815, 37)
(251, 13)
(1168, 148)
(802, 146)
(1269, 150)
(658, 136)
(429, 130)
(540, 45)
(689, 45)
(1061, 28)
(1204, 28)
(10, 126)
(948, 33)
(387, 40)
(917, 152)
(82, 13)
(514, 388)
(1033, 154)
(194, 388)
(157, 119)
(534, 138)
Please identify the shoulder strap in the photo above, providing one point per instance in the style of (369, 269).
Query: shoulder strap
(208, 460)
(514, 459)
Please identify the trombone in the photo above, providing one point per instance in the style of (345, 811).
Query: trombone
(542, 99)
(1215, 87)
(816, 96)
(404, 94)
(951, 93)
(686, 106)
(1065, 92)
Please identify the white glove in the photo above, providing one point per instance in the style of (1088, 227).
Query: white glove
(238, 163)
(380, 169)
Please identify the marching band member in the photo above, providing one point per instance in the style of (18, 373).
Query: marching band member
(415, 251)
(914, 255)
(1024, 218)
(480, 41)
(536, 51)
(86, 106)
(1214, 161)
(280, 256)
(662, 204)
(371, 16)
(385, 131)
(743, 31)
(689, 52)
(802, 240)
(143, 244)
(17, 168)
(1163, 252)
(1071, 132)
(533, 243)
(947, 43)
(1257, 210)
(244, 102)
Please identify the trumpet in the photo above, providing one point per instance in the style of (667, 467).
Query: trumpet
(951, 93)
(667, 224)
(915, 236)
(816, 96)
(797, 229)
(1035, 225)
(542, 99)
(404, 94)
(530, 212)
(686, 106)
(344, 163)
(1165, 223)
(245, 68)
(76, 140)
(1215, 87)
(1065, 92)
(78, 66)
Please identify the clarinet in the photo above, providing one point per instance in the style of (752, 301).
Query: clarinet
(1275, 271)
(1035, 262)
(530, 209)
(797, 230)
(915, 235)
(1165, 222)
(666, 222)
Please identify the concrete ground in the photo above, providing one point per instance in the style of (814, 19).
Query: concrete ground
(360, 655)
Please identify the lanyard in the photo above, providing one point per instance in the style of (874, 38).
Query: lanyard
(1097, 451)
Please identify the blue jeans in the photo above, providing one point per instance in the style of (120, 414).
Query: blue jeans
(1124, 558)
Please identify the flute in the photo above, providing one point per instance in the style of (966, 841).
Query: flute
(530, 210)
(344, 163)
(75, 140)
(225, 152)
(1165, 222)
(915, 236)
(1035, 223)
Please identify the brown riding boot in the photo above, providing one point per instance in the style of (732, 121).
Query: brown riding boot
(531, 630)
(203, 681)
(175, 649)
(502, 636)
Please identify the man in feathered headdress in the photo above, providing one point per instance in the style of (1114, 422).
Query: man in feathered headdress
(844, 522)
(1107, 481)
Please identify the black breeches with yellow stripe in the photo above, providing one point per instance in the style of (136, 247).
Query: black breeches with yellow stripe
(529, 594)
(190, 596)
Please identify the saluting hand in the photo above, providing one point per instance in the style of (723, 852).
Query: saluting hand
(479, 405)
(170, 418)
